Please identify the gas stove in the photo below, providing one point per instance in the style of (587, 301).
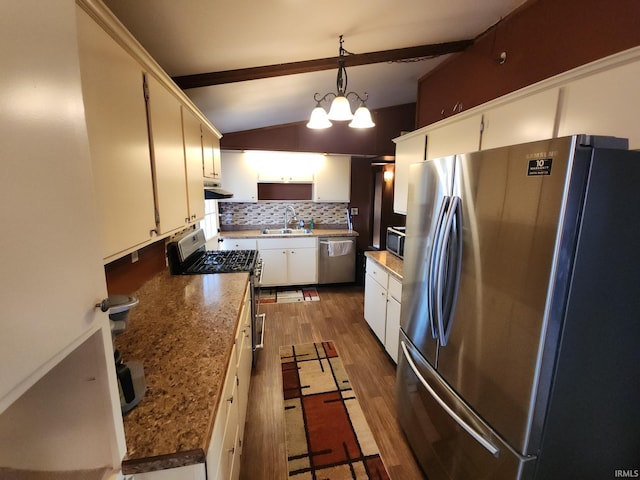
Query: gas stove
(188, 256)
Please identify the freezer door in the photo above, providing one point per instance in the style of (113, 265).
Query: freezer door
(430, 187)
(510, 218)
(450, 441)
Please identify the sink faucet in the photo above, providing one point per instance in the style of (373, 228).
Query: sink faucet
(288, 220)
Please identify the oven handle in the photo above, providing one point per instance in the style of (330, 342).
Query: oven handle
(259, 267)
(261, 344)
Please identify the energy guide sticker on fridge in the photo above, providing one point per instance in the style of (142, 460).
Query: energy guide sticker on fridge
(540, 166)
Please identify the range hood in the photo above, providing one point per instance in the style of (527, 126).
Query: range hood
(213, 190)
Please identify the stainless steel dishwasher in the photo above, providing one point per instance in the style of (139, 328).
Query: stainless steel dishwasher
(336, 260)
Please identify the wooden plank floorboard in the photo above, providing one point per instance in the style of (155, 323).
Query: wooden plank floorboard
(338, 316)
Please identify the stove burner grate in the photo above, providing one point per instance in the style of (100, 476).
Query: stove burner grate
(226, 261)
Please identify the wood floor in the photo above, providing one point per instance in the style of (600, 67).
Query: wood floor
(338, 316)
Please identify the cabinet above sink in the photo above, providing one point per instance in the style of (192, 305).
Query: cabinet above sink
(259, 175)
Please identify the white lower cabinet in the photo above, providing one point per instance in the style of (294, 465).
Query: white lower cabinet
(382, 296)
(225, 447)
(289, 261)
(392, 330)
(375, 305)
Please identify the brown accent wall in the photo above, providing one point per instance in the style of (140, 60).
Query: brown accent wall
(124, 277)
(541, 39)
(296, 137)
(389, 218)
(361, 194)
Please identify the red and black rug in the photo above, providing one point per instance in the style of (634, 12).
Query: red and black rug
(327, 434)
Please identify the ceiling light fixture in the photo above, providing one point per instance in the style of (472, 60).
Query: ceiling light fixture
(340, 109)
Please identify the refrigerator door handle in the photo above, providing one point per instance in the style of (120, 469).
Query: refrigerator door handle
(449, 281)
(490, 447)
(433, 270)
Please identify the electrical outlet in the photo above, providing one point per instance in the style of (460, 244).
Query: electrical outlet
(134, 256)
(354, 210)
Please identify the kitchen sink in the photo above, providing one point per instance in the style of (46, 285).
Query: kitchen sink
(286, 231)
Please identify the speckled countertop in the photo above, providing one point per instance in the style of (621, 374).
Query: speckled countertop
(388, 260)
(182, 331)
(316, 232)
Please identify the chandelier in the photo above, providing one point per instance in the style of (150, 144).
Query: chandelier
(340, 106)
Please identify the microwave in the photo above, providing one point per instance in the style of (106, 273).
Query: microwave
(395, 240)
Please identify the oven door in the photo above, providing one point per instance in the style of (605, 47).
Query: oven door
(258, 317)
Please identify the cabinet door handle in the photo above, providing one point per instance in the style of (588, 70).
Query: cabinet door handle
(230, 399)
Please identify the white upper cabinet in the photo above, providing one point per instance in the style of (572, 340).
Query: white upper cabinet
(211, 154)
(525, 119)
(167, 151)
(240, 176)
(458, 137)
(606, 103)
(193, 160)
(112, 87)
(284, 167)
(409, 149)
(149, 176)
(332, 179)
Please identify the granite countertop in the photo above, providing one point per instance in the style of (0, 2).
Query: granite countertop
(389, 261)
(182, 331)
(316, 232)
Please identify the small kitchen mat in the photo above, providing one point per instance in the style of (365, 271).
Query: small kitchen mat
(279, 295)
(327, 435)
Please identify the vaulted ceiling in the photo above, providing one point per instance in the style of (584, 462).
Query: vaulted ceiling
(256, 63)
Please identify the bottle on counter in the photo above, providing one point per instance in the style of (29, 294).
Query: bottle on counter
(312, 224)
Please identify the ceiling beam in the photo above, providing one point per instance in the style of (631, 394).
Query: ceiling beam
(307, 66)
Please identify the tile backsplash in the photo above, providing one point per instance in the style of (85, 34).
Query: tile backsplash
(271, 214)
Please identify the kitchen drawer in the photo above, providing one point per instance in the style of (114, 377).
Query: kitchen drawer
(294, 242)
(378, 273)
(395, 288)
(237, 243)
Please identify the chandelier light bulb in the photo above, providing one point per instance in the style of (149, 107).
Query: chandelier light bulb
(362, 118)
(318, 119)
(340, 109)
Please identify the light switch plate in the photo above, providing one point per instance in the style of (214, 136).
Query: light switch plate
(354, 210)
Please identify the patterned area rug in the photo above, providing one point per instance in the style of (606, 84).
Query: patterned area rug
(327, 434)
(276, 295)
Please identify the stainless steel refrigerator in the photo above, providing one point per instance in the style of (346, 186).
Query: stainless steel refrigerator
(520, 320)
